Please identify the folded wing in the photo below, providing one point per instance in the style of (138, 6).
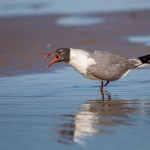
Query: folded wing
(109, 66)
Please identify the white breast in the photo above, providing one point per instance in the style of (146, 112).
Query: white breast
(80, 60)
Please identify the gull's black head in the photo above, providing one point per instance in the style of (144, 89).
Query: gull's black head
(64, 54)
(61, 54)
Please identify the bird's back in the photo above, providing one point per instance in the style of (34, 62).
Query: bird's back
(108, 66)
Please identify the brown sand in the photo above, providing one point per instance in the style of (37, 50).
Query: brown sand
(23, 40)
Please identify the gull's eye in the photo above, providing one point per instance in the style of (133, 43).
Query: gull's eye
(60, 52)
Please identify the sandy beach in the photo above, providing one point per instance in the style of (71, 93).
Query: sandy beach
(24, 40)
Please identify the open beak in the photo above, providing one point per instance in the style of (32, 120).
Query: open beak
(54, 60)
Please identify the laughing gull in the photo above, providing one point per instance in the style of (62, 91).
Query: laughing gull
(98, 65)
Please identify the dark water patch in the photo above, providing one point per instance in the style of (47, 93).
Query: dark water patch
(21, 8)
(9, 6)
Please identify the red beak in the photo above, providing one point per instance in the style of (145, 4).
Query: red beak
(54, 60)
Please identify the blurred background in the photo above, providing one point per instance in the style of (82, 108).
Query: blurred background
(31, 28)
(57, 108)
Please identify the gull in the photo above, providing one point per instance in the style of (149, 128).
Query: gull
(98, 65)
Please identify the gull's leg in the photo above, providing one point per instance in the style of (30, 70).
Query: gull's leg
(102, 86)
(107, 83)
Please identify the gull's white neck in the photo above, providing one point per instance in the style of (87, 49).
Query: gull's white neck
(80, 60)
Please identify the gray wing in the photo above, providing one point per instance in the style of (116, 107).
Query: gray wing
(108, 66)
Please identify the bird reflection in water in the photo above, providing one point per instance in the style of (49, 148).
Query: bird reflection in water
(94, 117)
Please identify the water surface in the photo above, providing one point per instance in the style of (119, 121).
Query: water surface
(140, 39)
(79, 21)
(38, 7)
(65, 110)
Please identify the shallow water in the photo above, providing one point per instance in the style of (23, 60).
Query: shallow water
(38, 7)
(79, 21)
(140, 39)
(63, 110)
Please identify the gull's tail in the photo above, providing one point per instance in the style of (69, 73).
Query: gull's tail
(142, 61)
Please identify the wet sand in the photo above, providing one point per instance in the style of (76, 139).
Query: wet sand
(24, 40)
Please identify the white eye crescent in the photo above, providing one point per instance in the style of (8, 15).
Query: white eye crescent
(61, 52)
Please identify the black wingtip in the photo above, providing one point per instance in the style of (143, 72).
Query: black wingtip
(145, 59)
